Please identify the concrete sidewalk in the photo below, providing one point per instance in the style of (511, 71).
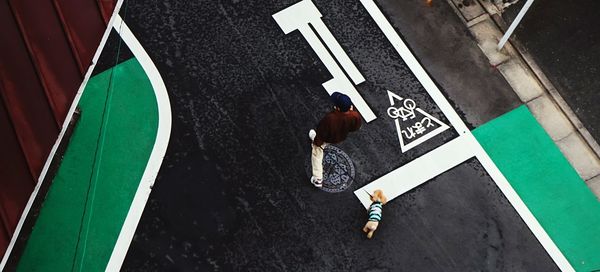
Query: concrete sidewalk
(533, 88)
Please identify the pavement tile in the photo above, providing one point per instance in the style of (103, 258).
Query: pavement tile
(489, 7)
(594, 185)
(469, 9)
(550, 117)
(566, 109)
(590, 140)
(487, 35)
(580, 156)
(521, 80)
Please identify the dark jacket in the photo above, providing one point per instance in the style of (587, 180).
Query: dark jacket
(336, 125)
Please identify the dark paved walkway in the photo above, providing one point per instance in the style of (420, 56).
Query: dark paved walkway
(233, 193)
(563, 38)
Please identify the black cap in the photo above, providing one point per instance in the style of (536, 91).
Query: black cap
(341, 101)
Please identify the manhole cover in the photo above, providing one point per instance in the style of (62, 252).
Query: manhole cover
(338, 170)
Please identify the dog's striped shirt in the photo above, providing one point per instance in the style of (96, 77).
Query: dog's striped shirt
(375, 211)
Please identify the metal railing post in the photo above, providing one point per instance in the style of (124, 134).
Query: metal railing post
(514, 24)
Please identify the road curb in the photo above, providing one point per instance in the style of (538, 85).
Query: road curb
(594, 184)
(533, 88)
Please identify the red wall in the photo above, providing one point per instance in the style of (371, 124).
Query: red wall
(45, 49)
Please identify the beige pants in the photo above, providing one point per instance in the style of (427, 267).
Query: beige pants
(316, 160)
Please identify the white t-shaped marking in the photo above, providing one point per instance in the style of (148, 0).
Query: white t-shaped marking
(299, 17)
(443, 157)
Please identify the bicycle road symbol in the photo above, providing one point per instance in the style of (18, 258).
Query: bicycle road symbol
(406, 112)
(411, 130)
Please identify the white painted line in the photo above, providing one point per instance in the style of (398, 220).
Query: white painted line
(522, 209)
(405, 147)
(61, 135)
(338, 52)
(158, 151)
(471, 145)
(298, 17)
(407, 111)
(304, 13)
(420, 170)
(414, 65)
(514, 24)
(339, 82)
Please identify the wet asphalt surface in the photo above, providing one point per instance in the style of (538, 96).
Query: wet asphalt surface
(233, 192)
(563, 38)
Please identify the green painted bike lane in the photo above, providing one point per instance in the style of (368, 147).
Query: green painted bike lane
(92, 191)
(547, 183)
(91, 194)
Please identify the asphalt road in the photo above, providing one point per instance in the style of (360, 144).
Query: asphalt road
(563, 38)
(233, 193)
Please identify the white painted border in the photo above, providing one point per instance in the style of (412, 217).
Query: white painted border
(442, 126)
(420, 170)
(415, 66)
(299, 17)
(158, 151)
(473, 145)
(61, 135)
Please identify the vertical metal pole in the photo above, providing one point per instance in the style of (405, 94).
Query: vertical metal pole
(514, 24)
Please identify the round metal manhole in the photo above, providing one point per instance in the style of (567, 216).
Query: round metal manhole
(338, 170)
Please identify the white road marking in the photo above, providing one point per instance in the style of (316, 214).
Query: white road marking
(61, 135)
(299, 17)
(338, 52)
(415, 66)
(420, 170)
(406, 112)
(158, 151)
(392, 182)
(304, 13)
(522, 210)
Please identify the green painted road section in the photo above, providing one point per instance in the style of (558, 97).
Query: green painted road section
(91, 194)
(549, 186)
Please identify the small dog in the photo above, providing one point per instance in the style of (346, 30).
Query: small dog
(375, 212)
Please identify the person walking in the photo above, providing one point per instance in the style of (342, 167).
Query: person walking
(332, 129)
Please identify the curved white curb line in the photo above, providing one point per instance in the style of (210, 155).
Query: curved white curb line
(158, 151)
(61, 135)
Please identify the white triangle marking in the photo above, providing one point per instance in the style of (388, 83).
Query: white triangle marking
(408, 112)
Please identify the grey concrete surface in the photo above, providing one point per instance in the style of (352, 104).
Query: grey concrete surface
(594, 184)
(469, 9)
(232, 193)
(521, 79)
(581, 157)
(487, 35)
(551, 117)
